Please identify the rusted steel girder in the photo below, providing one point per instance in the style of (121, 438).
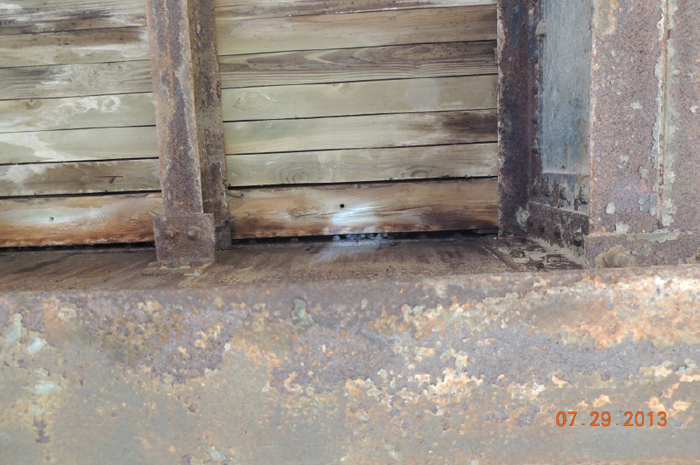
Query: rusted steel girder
(609, 172)
(187, 93)
(645, 206)
(517, 106)
(417, 371)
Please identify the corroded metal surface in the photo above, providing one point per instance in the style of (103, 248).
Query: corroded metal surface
(187, 97)
(444, 370)
(517, 106)
(543, 190)
(645, 130)
(210, 124)
(184, 240)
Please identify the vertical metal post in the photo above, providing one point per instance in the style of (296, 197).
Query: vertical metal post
(187, 93)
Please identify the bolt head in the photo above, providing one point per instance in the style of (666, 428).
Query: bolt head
(171, 233)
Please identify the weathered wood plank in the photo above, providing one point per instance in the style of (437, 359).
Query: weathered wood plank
(440, 94)
(75, 80)
(344, 166)
(365, 208)
(255, 9)
(33, 16)
(382, 28)
(60, 48)
(340, 166)
(77, 113)
(360, 98)
(359, 64)
(358, 132)
(50, 221)
(325, 66)
(459, 24)
(78, 145)
(79, 178)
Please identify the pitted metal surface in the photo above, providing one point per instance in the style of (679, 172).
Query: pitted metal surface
(644, 162)
(432, 370)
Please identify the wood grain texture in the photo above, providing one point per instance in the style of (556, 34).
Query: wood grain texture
(75, 80)
(78, 145)
(51, 221)
(358, 132)
(77, 113)
(345, 166)
(459, 24)
(79, 178)
(325, 66)
(440, 94)
(235, 36)
(359, 64)
(33, 16)
(88, 46)
(360, 98)
(365, 208)
(255, 9)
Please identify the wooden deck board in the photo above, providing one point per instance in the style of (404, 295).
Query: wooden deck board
(73, 47)
(75, 80)
(101, 111)
(78, 145)
(360, 98)
(35, 16)
(358, 132)
(310, 67)
(365, 208)
(346, 166)
(281, 102)
(459, 24)
(79, 178)
(109, 219)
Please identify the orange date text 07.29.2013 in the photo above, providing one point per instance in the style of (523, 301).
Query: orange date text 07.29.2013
(606, 419)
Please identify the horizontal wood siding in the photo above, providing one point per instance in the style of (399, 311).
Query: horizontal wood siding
(77, 124)
(236, 36)
(365, 208)
(75, 80)
(343, 166)
(358, 64)
(33, 16)
(356, 132)
(360, 98)
(314, 102)
(79, 178)
(78, 145)
(395, 27)
(101, 111)
(273, 69)
(320, 97)
(259, 103)
(78, 220)
(60, 48)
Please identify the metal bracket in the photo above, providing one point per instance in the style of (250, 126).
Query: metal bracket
(185, 241)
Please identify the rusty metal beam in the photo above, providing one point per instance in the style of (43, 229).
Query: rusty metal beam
(644, 164)
(187, 95)
(432, 370)
(517, 107)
